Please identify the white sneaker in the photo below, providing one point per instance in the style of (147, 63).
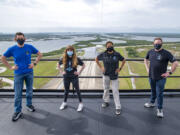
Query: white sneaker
(80, 107)
(105, 104)
(118, 111)
(149, 105)
(63, 106)
(160, 113)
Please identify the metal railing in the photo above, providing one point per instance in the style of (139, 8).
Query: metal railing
(55, 92)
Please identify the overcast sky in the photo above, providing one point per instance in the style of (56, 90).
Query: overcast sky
(90, 15)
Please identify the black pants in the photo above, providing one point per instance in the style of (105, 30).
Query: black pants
(75, 81)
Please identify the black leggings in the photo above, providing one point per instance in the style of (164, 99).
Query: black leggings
(75, 81)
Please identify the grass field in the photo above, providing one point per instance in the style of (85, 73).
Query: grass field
(125, 83)
(141, 51)
(3, 84)
(49, 68)
(139, 68)
(42, 69)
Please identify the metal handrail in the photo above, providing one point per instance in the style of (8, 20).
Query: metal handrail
(10, 76)
(89, 90)
(138, 59)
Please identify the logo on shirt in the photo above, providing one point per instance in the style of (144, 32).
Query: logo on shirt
(159, 57)
(27, 52)
(69, 67)
(114, 57)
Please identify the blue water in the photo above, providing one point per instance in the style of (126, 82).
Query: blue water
(45, 45)
(57, 43)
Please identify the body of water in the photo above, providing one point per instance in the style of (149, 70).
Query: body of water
(52, 42)
(46, 45)
(90, 52)
(148, 38)
(41, 45)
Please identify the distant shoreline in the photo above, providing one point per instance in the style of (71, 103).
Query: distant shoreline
(54, 43)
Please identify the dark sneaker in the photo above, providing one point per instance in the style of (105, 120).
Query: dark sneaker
(30, 108)
(105, 104)
(16, 116)
(118, 111)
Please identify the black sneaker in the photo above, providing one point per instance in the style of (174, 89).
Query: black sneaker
(105, 104)
(16, 116)
(30, 108)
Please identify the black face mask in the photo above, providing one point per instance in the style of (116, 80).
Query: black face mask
(20, 41)
(110, 49)
(157, 46)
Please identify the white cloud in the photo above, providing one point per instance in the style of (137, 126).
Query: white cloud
(121, 15)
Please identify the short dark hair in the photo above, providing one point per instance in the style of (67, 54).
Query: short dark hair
(18, 34)
(109, 42)
(158, 38)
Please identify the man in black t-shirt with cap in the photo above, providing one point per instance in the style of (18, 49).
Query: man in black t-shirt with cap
(110, 70)
(157, 70)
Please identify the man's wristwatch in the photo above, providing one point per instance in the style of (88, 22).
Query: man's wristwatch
(35, 63)
(120, 68)
(170, 73)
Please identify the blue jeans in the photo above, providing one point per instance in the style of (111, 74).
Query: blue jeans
(18, 88)
(157, 89)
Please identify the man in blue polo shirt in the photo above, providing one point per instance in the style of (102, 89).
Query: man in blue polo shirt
(23, 71)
